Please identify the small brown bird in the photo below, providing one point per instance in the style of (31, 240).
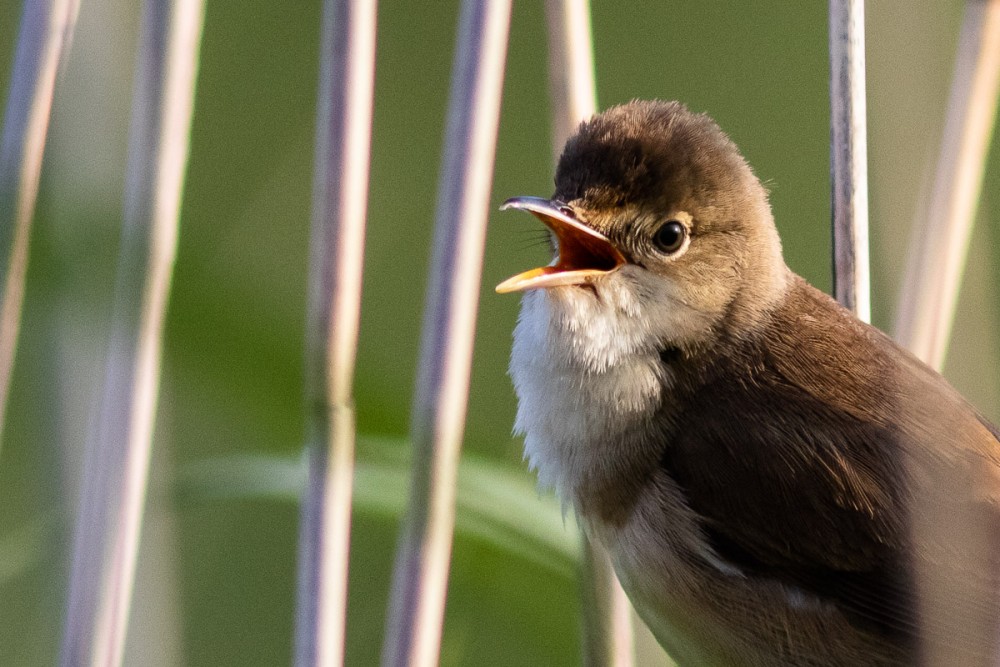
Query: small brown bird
(777, 482)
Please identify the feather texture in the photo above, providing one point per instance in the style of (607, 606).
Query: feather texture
(777, 482)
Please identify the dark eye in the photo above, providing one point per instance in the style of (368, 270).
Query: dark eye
(670, 237)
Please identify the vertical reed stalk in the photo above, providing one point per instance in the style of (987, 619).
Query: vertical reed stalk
(115, 473)
(45, 32)
(849, 156)
(340, 199)
(572, 88)
(608, 638)
(943, 229)
(938, 251)
(416, 612)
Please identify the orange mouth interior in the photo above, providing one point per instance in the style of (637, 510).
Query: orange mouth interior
(584, 253)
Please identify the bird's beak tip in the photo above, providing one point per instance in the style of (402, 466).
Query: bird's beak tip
(584, 253)
(537, 205)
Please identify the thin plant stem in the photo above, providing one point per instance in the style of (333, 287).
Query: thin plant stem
(943, 228)
(608, 634)
(572, 89)
(340, 199)
(416, 611)
(608, 637)
(849, 156)
(116, 467)
(45, 33)
(952, 602)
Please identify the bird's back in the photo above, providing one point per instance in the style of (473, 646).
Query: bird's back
(852, 471)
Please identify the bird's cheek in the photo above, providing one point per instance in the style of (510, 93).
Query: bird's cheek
(684, 316)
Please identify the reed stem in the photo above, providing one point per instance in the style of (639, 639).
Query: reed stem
(943, 228)
(45, 33)
(116, 466)
(340, 199)
(849, 156)
(416, 612)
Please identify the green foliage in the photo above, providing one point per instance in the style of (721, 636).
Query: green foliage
(495, 505)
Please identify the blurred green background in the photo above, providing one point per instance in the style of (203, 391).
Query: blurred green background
(216, 575)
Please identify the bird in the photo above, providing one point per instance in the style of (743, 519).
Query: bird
(775, 481)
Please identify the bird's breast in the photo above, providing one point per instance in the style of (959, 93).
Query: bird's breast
(586, 393)
(587, 399)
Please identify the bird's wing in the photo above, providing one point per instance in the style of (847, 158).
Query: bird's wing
(810, 482)
(780, 498)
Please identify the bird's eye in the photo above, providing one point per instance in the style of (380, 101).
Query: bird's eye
(669, 238)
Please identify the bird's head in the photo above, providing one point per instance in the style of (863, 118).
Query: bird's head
(659, 224)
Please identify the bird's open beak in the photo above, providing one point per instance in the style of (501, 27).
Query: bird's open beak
(584, 254)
